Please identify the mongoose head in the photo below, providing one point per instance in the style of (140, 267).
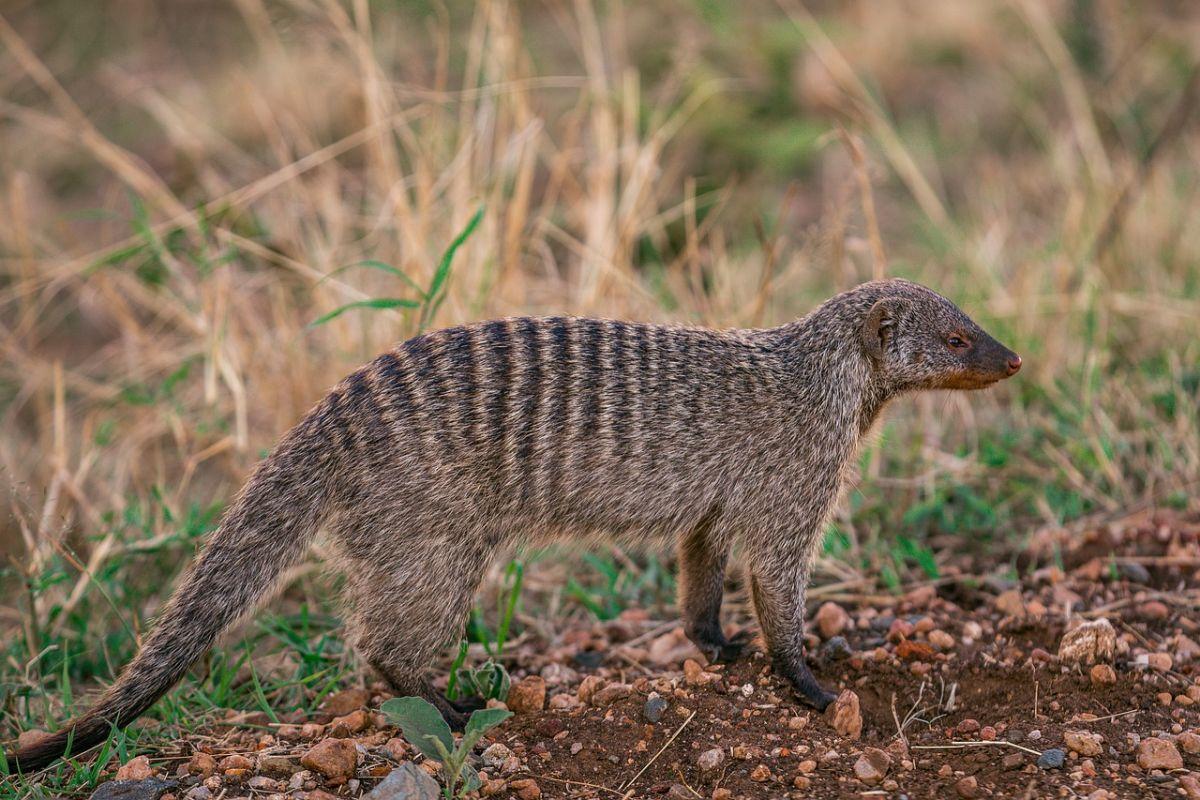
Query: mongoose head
(917, 339)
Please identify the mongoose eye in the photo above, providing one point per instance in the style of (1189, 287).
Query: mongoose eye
(958, 343)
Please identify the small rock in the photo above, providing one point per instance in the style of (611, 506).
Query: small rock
(611, 694)
(899, 630)
(1010, 603)
(967, 787)
(831, 619)
(341, 703)
(136, 769)
(528, 695)
(1085, 743)
(695, 675)
(711, 759)
(336, 759)
(148, 789)
(654, 708)
(263, 784)
(836, 649)
(967, 726)
(526, 788)
(921, 597)
(495, 755)
(847, 716)
(1090, 642)
(588, 687)
(349, 724)
(1155, 610)
(808, 766)
(1103, 675)
(1190, 784)
(872, 766)
(405, 782)
(1052, 758)
(1135, 573)
(1013, 761)
(940, 639)
(237, 761)
(1155, 753)
(202, 764)
(721, 793)
(276, 765)
(1159, 661)
(680, 792)
(760, 773)
(1189, 741)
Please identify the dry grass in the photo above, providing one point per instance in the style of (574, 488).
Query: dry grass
(178, 186)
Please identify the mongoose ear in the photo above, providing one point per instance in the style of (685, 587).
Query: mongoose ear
(879, 326)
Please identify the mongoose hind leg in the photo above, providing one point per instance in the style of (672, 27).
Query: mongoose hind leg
(703, 553)
(779, 605)
(406, 612)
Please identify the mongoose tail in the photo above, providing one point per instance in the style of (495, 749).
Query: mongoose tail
(265, 531)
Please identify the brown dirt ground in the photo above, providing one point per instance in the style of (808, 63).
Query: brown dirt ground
(963, 692)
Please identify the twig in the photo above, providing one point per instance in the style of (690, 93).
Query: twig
(1110, 716)
(574, 783)
(661, 750)
(961, 745)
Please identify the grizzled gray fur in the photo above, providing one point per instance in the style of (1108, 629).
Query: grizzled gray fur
(458, 443)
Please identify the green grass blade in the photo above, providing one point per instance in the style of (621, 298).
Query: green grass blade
(375, 303)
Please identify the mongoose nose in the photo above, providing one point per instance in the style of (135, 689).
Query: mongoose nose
(1014, 364)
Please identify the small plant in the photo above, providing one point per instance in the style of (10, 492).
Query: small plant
(431, 298)
(425, 730)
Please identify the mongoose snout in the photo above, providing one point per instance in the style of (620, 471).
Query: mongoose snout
(426, 463)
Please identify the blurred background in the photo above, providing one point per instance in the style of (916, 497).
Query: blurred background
(189, 189)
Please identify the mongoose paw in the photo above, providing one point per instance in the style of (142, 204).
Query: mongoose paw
(722, 650)
(822, 700)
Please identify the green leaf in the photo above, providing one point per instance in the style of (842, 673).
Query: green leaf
(418, 719)
(433, 297)
(485, 719)
(470, 778)
(376, 303)
(382, 266)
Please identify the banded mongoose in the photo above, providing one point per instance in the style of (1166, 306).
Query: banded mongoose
(424, 463)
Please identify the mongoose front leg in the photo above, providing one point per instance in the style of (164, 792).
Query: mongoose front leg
(778, 591)
(703, 553)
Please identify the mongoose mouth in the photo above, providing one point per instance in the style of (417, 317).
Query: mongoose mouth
(981, 378)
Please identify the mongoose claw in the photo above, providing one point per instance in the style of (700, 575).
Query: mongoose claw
(720, 649)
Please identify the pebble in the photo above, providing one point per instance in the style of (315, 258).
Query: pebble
(1090, 642)
(1160, 661)
(1190, 784)
(336, 759)
(1052, 758)
(495, 755)
(1103, 675)
(1085, 743)
(349, 724)
(836, 649)
(1155, 753)
(654, 708)
(526, 788)
(341, 703)
(831, 619)
(405, 782)
(1189, 741)
(1155, 610)
(136, 769)
(967, 787)
(148, 789)
(760, 773)
(202, 764)
(808, 766)
(872, 766)
(940, 639)
(588, 687)
(611, 694)
(528, 695)
(711, 759)
(1135, 572)
(695, 675)
(847, 715)
(1010, 603)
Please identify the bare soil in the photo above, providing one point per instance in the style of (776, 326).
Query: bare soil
(959, 683)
